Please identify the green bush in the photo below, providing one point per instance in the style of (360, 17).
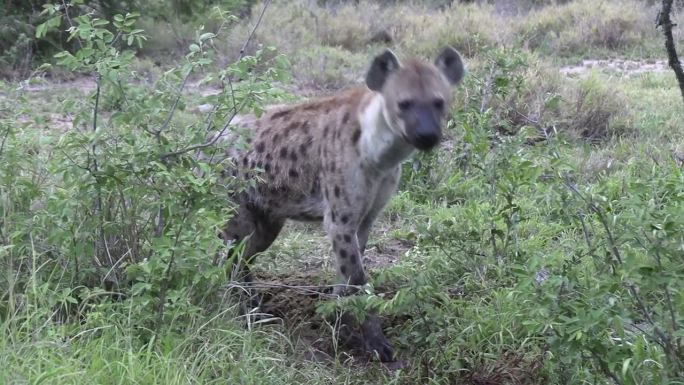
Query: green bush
(122, 210)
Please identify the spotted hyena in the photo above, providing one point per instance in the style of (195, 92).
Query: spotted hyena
(338, 160)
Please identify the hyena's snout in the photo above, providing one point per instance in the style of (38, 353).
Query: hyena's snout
(424, 129)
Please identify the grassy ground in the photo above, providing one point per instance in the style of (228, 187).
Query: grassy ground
(492, 265)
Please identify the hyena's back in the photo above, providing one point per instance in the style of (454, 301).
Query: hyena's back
(291, 150)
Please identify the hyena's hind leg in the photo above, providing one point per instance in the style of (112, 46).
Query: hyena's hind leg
(258, 229)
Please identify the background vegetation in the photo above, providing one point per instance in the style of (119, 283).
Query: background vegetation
(541, 244)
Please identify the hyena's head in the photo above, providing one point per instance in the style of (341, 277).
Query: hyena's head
(417, 94)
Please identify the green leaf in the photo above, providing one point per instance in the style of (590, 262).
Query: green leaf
(206, 36)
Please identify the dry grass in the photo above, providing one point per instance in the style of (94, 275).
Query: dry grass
(595, 111)
(570, 29)
(587, 27)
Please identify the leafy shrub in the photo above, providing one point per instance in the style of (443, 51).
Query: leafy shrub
(124, 211)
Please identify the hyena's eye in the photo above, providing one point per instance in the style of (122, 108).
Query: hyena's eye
(405, 105)
(438, 103)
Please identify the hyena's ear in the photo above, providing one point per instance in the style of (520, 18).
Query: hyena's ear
(451, 65)
(383, 65)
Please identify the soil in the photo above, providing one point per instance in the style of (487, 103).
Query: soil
(292, 301)
(625, 67)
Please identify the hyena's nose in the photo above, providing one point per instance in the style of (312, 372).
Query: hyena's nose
(426, 129)
(426, 141)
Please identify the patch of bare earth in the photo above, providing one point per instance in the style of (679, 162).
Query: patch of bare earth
(292, 300)
(620, 66)
(292, 297)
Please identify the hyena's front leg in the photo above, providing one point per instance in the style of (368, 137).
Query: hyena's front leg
(342, 230)
(386, 189)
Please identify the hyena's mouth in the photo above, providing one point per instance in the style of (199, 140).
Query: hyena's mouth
(423, 143)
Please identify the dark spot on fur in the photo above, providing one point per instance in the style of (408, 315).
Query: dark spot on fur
(343, 270)
(248, 140)
(293, 156)
(345, 118)
(283, 152)
(267, 167)
(325, 131)
(332, 216)
(337, 191)
(281, 114)
(276, 138)
(291, 126)
(260, 147)
(269, 156)
(356, 135)
(354, 259)
(302, 148)
(293, 173)
(347, 238)
(343, 253)
(244, 161)
(260, 164)
(344, 219)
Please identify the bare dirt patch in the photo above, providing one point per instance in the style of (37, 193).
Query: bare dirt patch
(620, 66)
(293, 300)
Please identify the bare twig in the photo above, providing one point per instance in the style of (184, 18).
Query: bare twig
(4, 140)
(71, 23)
(665, 21)
(251, 34)
(167, 276)
(174, 106)
(210, 142)
(304, 289)
(236, 110)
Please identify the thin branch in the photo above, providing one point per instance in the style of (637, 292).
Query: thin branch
(236, 110)
(167, 275)
(304, 289)
(4, 140)
(71, 23)
(673, 60)
(251, 34)
(175, 105)
(210, 142)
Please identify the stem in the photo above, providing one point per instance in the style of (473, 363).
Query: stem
(167, 273)
(251, 34)
(673, 60)
(4, 140)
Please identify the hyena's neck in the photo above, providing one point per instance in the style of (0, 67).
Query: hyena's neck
(381, 148)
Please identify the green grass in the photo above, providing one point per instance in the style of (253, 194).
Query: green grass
(493, 262)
